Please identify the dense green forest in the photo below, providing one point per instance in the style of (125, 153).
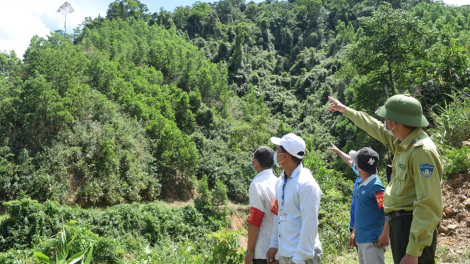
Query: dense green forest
(145, 105)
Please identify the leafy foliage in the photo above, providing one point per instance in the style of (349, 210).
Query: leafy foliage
(64, 249)
(140, 105)
(452, 129)
(117, 234)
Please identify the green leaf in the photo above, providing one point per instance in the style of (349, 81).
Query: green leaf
(77, 257)
(41, 257)
(88, 258)
(60, 258)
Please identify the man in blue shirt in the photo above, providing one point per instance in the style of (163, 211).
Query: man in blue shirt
(371, 231)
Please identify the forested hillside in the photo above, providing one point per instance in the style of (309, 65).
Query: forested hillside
(145, 105)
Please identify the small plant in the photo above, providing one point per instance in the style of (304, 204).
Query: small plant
(456, 160)
(83, 256)
(453, 123)
(219, 193)
(225, 247)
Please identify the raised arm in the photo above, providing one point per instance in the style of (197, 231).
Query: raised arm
(345, 157)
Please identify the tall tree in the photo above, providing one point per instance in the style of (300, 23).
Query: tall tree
(387, 54)
(128, 8)
(66, 8)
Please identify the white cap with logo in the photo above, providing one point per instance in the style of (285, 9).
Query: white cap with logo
(292, 143)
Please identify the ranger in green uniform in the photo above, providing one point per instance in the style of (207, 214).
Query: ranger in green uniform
(413, 198)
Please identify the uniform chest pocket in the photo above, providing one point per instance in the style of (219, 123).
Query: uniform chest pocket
(400, 174)
(400, 166)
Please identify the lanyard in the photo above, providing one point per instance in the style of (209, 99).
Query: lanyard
(283, 187)
(284, 184)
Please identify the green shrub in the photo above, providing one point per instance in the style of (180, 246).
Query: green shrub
(204, 204)
(224, 247)
(452, 125)
(14, 256)
(30, 222)
(456, 160)
(219, 194)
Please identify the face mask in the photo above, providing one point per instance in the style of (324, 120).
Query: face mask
(251, 165)
(275, 159)
(389, 131)
(354, 169)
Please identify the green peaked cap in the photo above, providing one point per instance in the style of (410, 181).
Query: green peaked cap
(403, 109)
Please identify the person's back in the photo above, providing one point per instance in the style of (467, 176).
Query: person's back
(262, 200)
(371, 233)
(262, 197)
(370, 216)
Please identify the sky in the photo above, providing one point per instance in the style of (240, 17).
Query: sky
(20, 20)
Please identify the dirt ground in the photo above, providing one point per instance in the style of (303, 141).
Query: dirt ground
(237, 223)
(454, 230)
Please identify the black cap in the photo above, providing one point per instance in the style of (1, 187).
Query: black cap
(366, 159)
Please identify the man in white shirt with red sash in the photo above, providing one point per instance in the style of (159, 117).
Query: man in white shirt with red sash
(262, 200)
(295, 234)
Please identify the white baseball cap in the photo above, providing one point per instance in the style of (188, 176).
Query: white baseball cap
(292, 144)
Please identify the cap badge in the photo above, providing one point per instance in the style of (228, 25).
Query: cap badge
(371, 161)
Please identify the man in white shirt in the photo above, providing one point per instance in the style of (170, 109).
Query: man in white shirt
(295, 233)
(262, 200)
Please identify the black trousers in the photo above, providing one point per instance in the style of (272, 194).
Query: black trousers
(399, 237)
(260, 261)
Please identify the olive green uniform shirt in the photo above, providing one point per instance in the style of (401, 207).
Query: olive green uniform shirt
(415, 183)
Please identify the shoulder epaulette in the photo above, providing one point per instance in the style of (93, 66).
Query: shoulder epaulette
(417, 142)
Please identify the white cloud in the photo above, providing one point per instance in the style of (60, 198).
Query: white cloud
(457, 2)
(22, 19)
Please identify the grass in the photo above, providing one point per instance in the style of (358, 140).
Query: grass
(350, 257)
(445, 255)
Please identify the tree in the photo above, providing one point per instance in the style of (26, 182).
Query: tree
(386, 55)
(66, 8)
(392, 38)
(219, 194)
(128, 8)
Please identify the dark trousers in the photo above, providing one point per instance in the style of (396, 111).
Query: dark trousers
(260, 261)
(399, 237)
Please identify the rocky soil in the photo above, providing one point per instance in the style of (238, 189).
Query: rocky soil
(454, 230)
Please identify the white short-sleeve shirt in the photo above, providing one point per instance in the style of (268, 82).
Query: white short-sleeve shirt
(262, 197)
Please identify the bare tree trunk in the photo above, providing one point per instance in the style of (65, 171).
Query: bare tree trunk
(386, 91)
(390, 75)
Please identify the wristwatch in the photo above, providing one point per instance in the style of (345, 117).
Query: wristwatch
(248, 252)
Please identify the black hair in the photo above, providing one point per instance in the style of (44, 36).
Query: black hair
(295, 159)
(264, 155)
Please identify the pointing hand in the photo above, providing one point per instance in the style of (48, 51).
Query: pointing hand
(335, 105)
